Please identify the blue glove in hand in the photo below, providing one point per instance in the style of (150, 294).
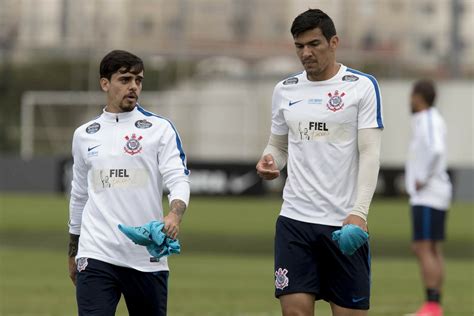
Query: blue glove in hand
(157, 234)
(152, 236)
(140, 235)
(169, 247)
(157, 252)
(350, 238)
(173, 245)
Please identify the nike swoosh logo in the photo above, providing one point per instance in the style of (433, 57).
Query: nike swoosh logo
(358, 299)
(294, 102)
(90, 148)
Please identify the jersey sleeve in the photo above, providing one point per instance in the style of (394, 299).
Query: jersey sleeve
(435, 130)
(172, 165)
(79, 194)
(430, 134)
(279, 126)
(370, 106)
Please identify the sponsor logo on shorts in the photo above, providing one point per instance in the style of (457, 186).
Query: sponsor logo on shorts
(93, 128)
(81, 264)
(281, 280)
(358, 299)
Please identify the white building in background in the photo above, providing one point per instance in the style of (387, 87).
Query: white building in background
(417, 33)
(414, 33)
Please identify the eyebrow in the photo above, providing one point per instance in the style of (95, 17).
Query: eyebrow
(313, 41)
(127, 76)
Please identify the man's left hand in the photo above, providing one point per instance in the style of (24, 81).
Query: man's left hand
(171, 221)
(356, 220)
(72, 269)
(419, 185)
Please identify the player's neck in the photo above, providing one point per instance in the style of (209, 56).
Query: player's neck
(328, 73)
(421, 108)
(117, 109)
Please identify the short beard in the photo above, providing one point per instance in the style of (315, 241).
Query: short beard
(313, 73)
(127, 108)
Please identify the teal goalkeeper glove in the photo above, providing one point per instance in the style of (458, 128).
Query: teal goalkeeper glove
(143, 235)
(151, 236)
(170, 246)
(349, 238)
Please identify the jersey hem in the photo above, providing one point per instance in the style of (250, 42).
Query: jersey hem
(440, 206)
(311, 220)
(369, 127)
(121, 264)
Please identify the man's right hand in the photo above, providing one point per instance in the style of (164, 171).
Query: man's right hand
(267, 168)
(72, 269)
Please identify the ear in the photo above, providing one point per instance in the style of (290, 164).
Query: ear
(104, 84)
(334, 42)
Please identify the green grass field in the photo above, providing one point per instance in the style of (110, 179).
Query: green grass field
(226, 265)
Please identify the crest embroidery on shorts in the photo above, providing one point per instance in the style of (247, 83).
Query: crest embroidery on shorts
(281, 280)
(81, 264)
(335, 102)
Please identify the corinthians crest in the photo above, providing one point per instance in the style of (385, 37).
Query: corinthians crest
(81, 264)
(133, 146)
(281, 280)
(335, 102)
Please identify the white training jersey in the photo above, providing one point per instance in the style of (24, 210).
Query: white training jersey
(427, 161)
(121, 161)
(322, 119)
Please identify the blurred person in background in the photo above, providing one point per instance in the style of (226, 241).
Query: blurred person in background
(122, 159)
(332, 172)
(429, 187)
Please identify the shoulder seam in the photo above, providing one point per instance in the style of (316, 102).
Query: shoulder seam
(182, 155)
(291, 76)
(377, 93)
(88, 122)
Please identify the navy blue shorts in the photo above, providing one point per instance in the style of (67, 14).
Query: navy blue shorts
(428, 223)
(99, 287)
(307, 260)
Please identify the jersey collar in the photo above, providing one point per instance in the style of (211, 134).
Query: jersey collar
(118, 117)
(340, 72)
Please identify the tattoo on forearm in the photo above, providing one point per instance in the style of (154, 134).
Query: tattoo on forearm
(73, 245)
(178, 207)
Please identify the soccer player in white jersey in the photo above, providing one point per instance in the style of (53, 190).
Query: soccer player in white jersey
(326, 126)
(429, 187)
(122, 159)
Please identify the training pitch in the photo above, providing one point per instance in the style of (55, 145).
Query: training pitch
(226, 265)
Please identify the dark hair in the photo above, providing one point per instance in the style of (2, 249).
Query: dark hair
(118, 59)
(426, 89)
(311, 19)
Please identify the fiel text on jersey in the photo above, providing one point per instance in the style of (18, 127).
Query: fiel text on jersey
(118, 173)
